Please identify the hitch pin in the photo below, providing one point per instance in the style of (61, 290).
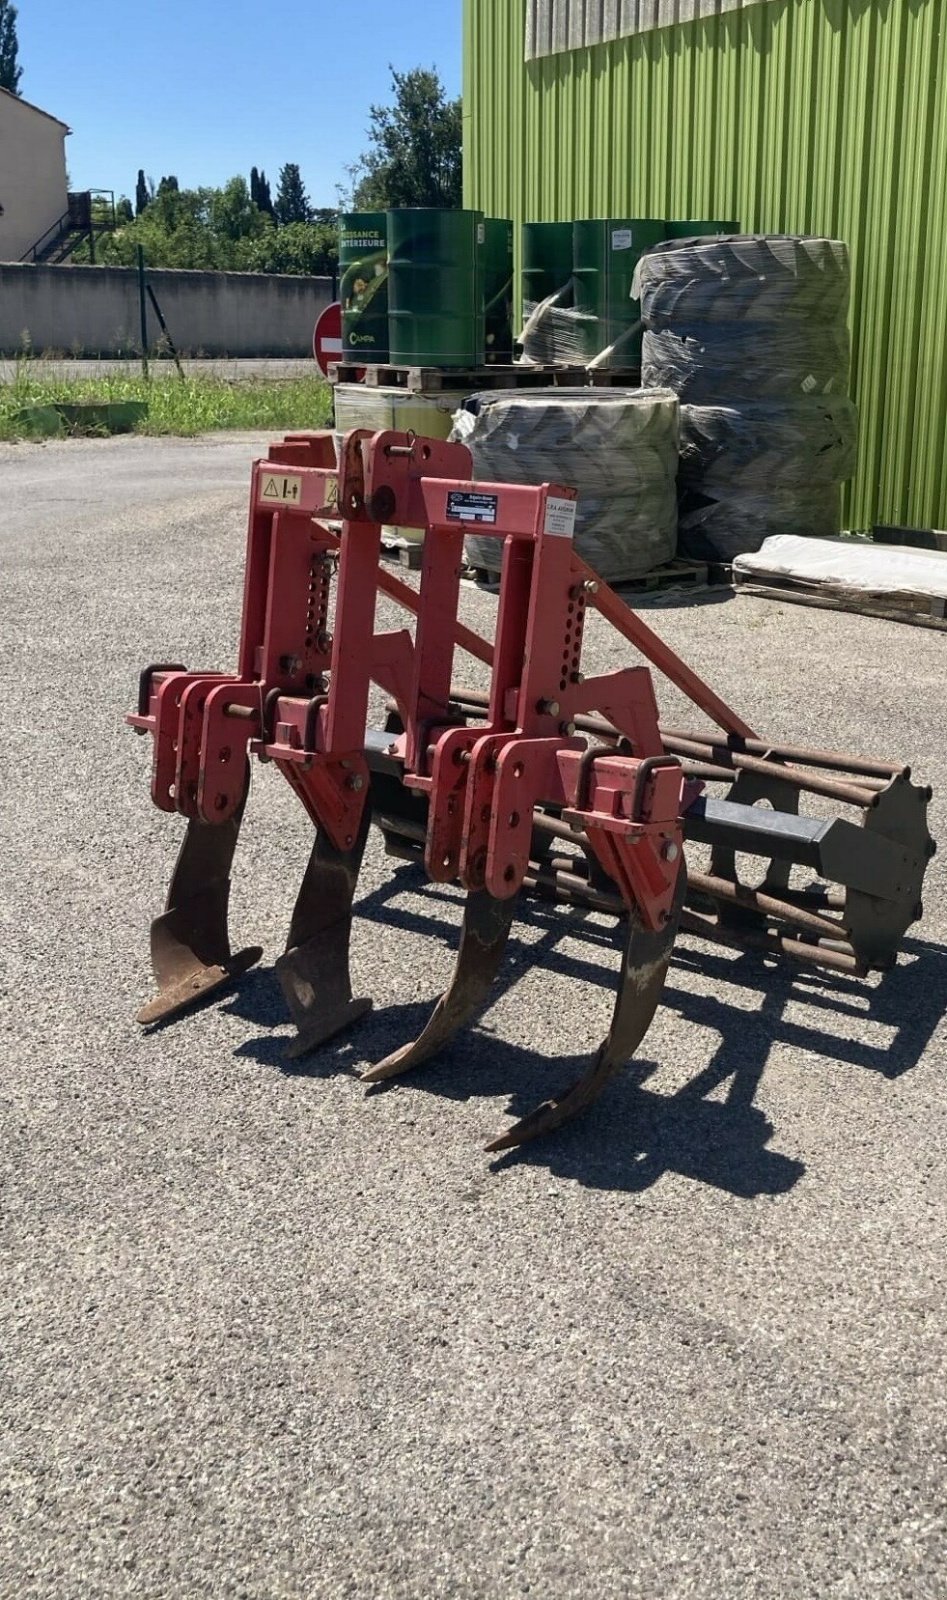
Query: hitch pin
(242, 713)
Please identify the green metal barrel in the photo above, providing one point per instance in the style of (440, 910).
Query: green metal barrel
(363, 267)
(606, 252)
(547, 259)
(498, 289)
(698, 230)
(435, 284)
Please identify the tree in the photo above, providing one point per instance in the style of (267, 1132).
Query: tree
(415, 159)
(260, 191)
(169, 185)
(10, 73)
(123, 211)
(307, 249)
(292, 201)
(142, 193)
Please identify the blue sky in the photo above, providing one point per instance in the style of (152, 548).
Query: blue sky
(205, 89)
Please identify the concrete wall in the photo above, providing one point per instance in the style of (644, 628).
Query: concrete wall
(94, 311)
(32, 174)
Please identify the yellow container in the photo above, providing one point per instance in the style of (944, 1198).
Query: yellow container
(429, 415)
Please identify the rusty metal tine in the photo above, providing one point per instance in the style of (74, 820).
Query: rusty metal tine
(483, 939)
(190, 945)
(644, 969)
(314, 972)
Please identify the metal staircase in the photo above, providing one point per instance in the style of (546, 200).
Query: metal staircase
(89, 214)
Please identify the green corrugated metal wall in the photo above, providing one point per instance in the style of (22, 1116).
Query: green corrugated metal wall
(809, 116)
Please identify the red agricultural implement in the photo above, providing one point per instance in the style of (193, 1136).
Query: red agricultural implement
(553, 783)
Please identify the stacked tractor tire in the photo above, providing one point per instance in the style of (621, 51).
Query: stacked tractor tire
(617, 447)
(751, 333)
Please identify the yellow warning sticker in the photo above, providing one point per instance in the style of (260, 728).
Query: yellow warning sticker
(281, 488)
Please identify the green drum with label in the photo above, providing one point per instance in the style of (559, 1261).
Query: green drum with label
(547, 259)
(363, 290)
(698, 229)
(498, 289)
(435, 288)
(606, 252)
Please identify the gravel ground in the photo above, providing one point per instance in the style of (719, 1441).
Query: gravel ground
(264, 1336)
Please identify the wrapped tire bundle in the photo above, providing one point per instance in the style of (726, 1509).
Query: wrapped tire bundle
(751, 332)
(753, 278)
(717, 524)
(720, 361)
(752, 470)
(795, 443)
(617, 447)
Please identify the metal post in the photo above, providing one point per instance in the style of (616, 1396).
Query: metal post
(143, 311)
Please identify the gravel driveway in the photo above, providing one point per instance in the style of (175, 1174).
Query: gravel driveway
(264, 1336)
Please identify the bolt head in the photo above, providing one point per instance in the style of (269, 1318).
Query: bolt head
(670, 851)
(356, 782)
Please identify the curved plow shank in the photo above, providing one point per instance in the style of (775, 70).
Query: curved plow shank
(643, 971)
(486, 928)
(314, 971)
(190, 946)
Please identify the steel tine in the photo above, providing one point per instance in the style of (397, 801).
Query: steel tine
(486, 928)
(190, 945)
(314, 971)
(643, 971)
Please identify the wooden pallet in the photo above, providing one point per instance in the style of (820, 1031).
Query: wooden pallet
(428, 380)
(677, 574)
(921, 610)
(408, 556)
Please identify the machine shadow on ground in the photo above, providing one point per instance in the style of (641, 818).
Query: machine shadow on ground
(635, 1134)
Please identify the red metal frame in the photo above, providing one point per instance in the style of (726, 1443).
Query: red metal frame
(300, 695)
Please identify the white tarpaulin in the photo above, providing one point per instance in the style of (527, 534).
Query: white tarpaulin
(855, 564)
(555, 25)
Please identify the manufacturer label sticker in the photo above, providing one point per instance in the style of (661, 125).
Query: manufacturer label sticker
(621, 238)
(560, 517)
(464, 506)
(280, 488)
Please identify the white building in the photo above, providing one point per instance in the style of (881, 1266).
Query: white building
(32, 175)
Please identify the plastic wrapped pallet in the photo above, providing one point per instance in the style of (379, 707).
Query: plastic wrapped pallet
(751, 332)
(554, 333)
(617, 447)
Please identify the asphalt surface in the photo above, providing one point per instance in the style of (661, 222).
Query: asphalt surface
(262, 1335)
(210, 367)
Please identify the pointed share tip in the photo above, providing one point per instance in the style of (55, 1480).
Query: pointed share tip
(196, 987)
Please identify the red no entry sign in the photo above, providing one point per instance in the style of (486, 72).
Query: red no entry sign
(327, 338)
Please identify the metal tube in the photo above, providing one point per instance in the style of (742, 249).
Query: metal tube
(830, 759)
(738, 894)
(878, 773)
(809, 782)
(143, 311)
(748, 939)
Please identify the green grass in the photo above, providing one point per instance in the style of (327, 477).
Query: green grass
(177, 405)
